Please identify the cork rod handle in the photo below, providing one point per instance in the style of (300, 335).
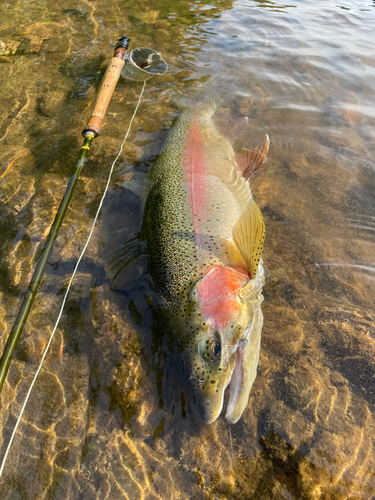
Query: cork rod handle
(107, 88)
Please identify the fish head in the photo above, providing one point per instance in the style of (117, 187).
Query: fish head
(220, 344)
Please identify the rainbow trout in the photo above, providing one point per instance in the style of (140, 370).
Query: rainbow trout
(204, 235)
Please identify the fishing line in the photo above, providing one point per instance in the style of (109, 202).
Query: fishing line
(231, 444)
(69, 286)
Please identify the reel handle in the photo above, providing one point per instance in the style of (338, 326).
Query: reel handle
(108, 85)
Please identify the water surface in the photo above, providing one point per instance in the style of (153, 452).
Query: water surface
(106, 419)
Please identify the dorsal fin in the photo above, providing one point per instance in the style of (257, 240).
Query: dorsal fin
(249, 160)
(248, 234)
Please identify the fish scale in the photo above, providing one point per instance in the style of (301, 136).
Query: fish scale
(204, 236)
(168, 223)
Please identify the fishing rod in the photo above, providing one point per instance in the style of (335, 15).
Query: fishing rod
(140, 65)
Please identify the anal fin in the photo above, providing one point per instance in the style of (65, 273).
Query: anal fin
(248, 234)
(250, 160)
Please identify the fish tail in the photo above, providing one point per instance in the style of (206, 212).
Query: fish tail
(206, 100)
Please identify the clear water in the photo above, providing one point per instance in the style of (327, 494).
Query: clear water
(106, 419)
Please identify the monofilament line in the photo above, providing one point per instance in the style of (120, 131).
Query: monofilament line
(68, 288)
(231, 445)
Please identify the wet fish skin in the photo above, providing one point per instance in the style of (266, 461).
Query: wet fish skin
(204, 236)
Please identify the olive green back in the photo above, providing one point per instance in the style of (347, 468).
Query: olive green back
(167, 224)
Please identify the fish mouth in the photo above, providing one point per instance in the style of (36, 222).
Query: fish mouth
(238, 398)
(209, 412)
(208, 416)
(240, 363)
(209, 409)
(237, 384)
(244, 372)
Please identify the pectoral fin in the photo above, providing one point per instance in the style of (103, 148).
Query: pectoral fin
(248, 234)
(123, 256)
(250, 160)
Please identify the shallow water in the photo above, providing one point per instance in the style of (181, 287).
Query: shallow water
(106, 418)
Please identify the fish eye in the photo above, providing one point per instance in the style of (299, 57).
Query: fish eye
(210, 348)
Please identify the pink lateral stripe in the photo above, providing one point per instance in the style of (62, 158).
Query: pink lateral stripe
(194, 168)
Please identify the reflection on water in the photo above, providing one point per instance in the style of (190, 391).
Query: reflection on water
(107, 418)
